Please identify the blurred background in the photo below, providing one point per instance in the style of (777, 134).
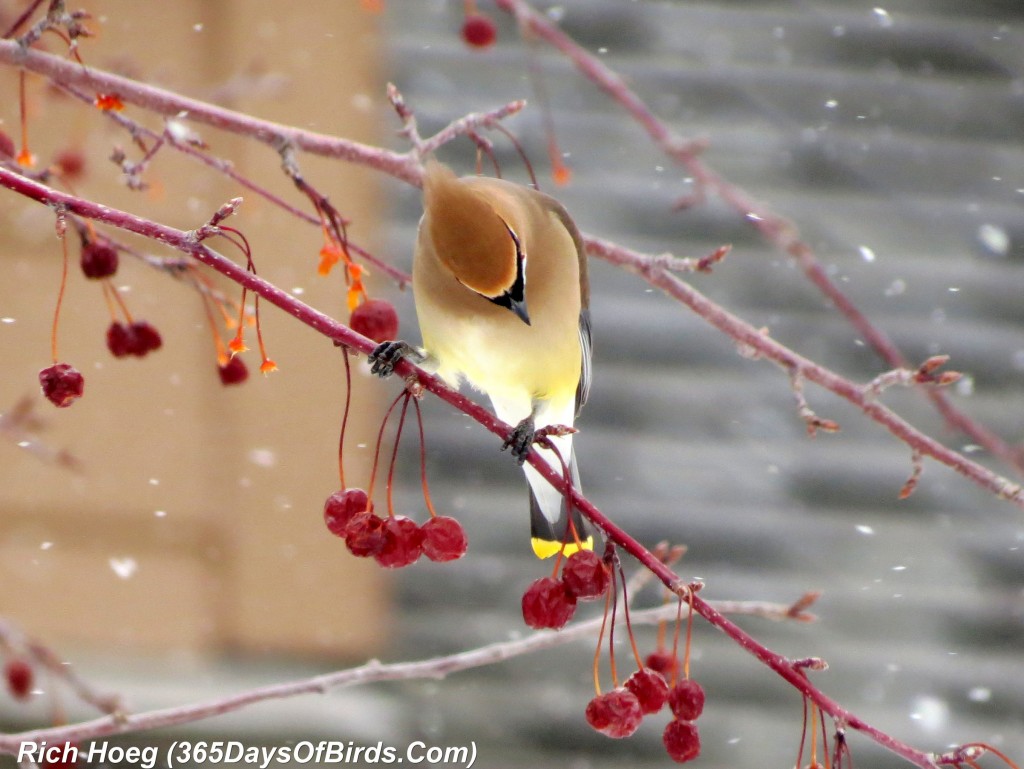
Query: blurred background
(185, 558)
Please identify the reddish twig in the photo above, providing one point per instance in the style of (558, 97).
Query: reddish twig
(401, 165)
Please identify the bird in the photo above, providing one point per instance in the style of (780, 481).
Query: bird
(502, 297)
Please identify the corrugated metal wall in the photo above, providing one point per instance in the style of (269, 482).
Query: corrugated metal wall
(892, 138)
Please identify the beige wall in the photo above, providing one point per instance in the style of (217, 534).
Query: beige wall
(213, 493)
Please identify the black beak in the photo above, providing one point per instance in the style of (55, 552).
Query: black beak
(519, 308)
(515, 305)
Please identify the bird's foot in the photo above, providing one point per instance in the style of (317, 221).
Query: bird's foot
(524, 435)
(520, 439)
(387, 355)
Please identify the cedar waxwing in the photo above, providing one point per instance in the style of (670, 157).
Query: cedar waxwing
(502, 295)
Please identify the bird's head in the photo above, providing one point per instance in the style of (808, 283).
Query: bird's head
(474, 234)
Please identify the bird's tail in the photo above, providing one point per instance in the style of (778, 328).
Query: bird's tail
(555, 525)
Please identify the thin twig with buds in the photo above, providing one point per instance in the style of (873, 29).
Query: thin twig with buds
(777, 230)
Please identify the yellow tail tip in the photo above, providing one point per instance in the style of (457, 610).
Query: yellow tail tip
(545, 548)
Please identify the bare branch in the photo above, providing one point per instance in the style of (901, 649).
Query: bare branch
(373, 671)
(777, 230)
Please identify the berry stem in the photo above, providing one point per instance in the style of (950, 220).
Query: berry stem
(986, 747)
(689, 633)
(803, 736)
(266, 364)
(614, 592)
(559, 171)
(380, 437)
(237, 344)
(824, 739)
(600, 643)
(423, 461)
(663, 626)
(25, 158)
(519, 150)
(344, 417)
(218, 343)
(120, 301)
(108, 299)
(814, 735)
(394, 454)
(675, 640)
(629, 625)
(60, 294)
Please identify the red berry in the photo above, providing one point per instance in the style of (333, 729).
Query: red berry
(682, 741)
(62, 384)
(615, 714)
(145, 338)
(7, 148)
(663, 662)
(686, 699)
(650, 688)
(98, 259)
(479, 31)
(585, 575)
(118, 341)
(341, 506)
(403, 543)
(233, 372)
(375, 319)
(19, 678)
(547, 604)
(71, 163)
(444, 539)
(136, 339)
(365, 534)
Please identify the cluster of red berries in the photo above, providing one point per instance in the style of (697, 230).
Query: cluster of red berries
(137, 338)
(19, 678)
(395, 541)
(618, 713)
(550, 602)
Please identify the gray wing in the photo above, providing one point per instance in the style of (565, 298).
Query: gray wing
(586, 348)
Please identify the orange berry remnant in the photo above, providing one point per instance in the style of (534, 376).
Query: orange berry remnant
(108, 102)
(25, 158)
(329, 256)
(562, 174)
